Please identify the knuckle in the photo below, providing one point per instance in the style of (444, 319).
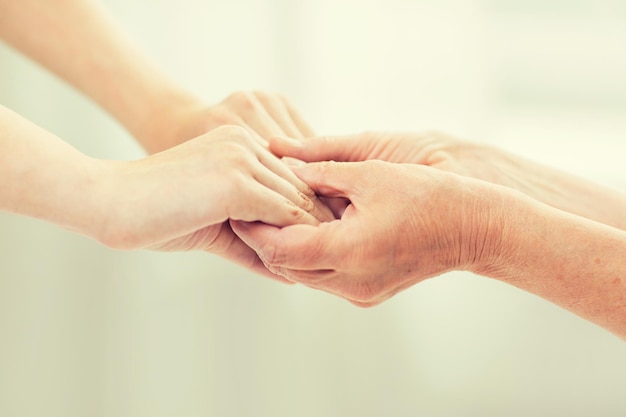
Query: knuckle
(232, 132)
(234, 165)
(305, 189)
(236, 134)
(233, 149)
(306, 202)
(242, 99)
(295, 212)
(220, 116)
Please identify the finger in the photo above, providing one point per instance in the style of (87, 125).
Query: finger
(251, 110)
(301, 247)
(318, 208)
(262, 203)
(298, 120)
(227, 116)
(277, 185)
(278, 111)
(231, 247)
(336, 205)
(257, 138)
(332, 179)
(327, 148)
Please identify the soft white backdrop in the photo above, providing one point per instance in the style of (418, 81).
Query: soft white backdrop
(86, 331)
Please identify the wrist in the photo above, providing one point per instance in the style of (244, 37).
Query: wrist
(72, 195)
(518, 225)
(115, 197)
(91, 214)
(165, 122)
(566, 259)
(503, 221)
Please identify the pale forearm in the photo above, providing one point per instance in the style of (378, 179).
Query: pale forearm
(569, 260)
(560, 189)
(43, 177)
(77, 40)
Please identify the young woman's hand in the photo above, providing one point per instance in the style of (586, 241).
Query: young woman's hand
(182, 198)
(262, 114)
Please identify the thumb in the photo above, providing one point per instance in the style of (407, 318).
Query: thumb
(331, 179)
(325, 148)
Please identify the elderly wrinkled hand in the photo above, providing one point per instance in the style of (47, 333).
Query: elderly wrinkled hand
(488, 163)
(404, 223)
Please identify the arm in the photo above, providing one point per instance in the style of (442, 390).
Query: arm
(80, 42)
(571, 261)
(179, 199)
(553, 187)
(29, 155)
(407, 223)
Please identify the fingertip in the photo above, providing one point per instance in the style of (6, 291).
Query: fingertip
(285, 146)
(292, 162)
(244, 226)
(328, 178)
(239, 224)
(309, 172)
(254, 234)
(245, 230)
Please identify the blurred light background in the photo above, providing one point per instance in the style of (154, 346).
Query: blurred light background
(86, 331)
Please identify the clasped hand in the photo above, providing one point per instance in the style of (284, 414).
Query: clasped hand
(435, 204)
(404, 223)
(182, 198)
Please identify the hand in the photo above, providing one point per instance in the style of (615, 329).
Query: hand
(550, 186)
(182, 198)
(264, 115)
(433, 149)
(405, 223)
(113, 71)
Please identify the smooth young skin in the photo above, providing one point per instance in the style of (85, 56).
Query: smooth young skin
(406, 223)
(553, 187)
(179, 199)
(80, 42)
